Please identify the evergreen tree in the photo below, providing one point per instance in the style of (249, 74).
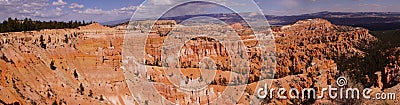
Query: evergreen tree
(27, 24)
(52, 66)
(42, 44)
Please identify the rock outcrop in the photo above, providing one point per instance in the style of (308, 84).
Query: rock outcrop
(94, 26)
(63, 66)
(307, 52)
(83, 66)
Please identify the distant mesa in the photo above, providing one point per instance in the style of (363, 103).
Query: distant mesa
(318, 21)
(309, 24)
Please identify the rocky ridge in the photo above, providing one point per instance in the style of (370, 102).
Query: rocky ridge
(63, 66)
(307, 53)
(82, 66)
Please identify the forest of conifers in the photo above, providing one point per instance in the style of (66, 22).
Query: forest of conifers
(16, 25)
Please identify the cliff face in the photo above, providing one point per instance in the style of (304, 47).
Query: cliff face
(300, 43)
(82, 66)
(312, 48)
(307, 53)
(392, 68)
(72, 66)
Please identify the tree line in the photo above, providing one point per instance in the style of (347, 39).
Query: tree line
(27, 24)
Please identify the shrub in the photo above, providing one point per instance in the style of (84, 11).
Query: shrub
(52, 66)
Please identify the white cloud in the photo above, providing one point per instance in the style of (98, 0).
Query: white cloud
(161, 2)
(94, 11)
(76, 6)
(97, 11)
(49, 14)
(36, 9)
(59, 3)
(125, 10)
(21, 8)
(101, 15)
(4, 2)
(129, 8)
(58, 9)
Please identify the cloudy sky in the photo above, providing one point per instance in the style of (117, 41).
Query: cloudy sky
(110, 10)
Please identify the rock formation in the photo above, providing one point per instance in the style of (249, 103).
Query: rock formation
(63, 66)
(82, 66)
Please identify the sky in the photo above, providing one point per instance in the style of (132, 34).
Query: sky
(110, 10)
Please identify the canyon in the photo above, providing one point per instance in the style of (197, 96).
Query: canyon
(83, 65)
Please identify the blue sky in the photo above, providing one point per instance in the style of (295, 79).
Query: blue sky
(109, 10)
